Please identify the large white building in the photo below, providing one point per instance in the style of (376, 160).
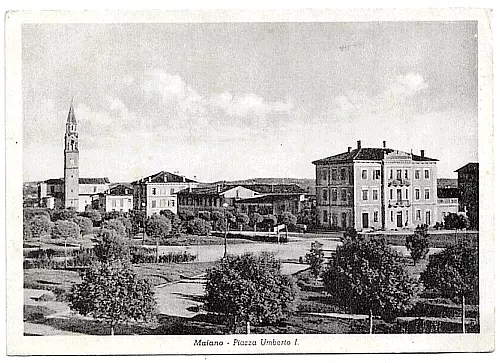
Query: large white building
(158, 192)
(376, 188)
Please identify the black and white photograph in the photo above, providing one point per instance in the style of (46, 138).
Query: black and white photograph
(231, 183)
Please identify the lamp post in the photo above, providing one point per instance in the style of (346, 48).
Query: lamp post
(225, 205)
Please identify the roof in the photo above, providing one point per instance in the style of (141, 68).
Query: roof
(268, 198)
(276, 188)
(80, 181)
(120, 190)
(258, 188)
(366, 153)
(448, 193)
(469, 168)
(164, 177)
(71, 115)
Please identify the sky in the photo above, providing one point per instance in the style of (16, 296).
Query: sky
(223, 101)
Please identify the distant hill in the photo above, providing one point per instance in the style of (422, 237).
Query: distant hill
(307, 184)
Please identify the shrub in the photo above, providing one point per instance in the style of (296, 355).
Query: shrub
(158, 226)
(418, 244)
(85, 224)
(315, 258)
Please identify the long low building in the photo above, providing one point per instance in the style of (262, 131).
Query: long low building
(243, 198)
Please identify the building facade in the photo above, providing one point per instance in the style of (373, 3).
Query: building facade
(376, 188)
(51, 192)
(158, 192)
(468, 186)
(118, 198)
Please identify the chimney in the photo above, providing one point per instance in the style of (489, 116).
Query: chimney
(384, 144)
(219, 188)
(149, 179)
(349, 149)
(183, 179)
(359, 144)
(422, 153)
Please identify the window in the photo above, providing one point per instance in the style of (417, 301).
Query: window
(153, 191)
(426, 173)
(364, 174)
(391, 194)
(334, 194)
(325, 195)
(72, 161)
(375, 216)
(342, 174)
(417, 174)
(390, 174)
(375, 194)
(173, 203)
(364, 194)
(172, 191)
(114, 203)
(153, 204)
(398, 194)
(324, 175)
(334, 175)
(121, 203)
(406, 173)
(343, 195)
(406, 194)
(376, 174)
(398, 174)
(418, 216)
(325, 216)
(392, 216)
(417, 194)
(427, 194)
(95, 189)
(162, 203)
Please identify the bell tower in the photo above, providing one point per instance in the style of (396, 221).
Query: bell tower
(71, 161)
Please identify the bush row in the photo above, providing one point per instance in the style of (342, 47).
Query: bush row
(171, 257)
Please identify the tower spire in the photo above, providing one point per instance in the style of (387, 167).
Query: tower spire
(71, 114)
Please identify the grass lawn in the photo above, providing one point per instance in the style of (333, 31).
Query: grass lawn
(58, 281)
(164, 273)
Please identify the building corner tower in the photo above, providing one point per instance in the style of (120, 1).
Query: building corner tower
(71, 161)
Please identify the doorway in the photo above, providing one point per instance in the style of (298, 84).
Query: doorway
(399, 219)
(364, 217)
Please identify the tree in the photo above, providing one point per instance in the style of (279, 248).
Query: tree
(367, 276)
(116, 225)
(127, 224)
(242, 219)
(94, 216)
(85, 225)
(456, 222)
(288, 219)
(64, 214)
(175, 221)
(65, 229)
(454, 272)
(255, 218)
(26, 230)
(158, 226)
(249, 288)
(40, 225)
(198, 227)
(418, 244)
(113, 293)
(29, 213)
(315, 258)
(111, 247)
(186, 215)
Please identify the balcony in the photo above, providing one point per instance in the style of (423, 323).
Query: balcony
(399, 203)
(447, 200)
(399, 183)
